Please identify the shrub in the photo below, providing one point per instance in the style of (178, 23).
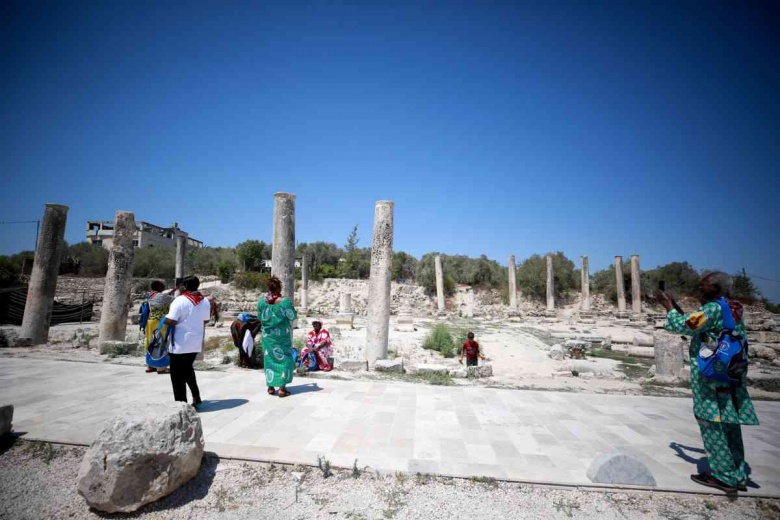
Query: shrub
(532, 275)
(251, 280)
(440, 340)
(225, 271)
(9, 272)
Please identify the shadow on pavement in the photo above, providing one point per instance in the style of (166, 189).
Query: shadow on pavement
(303, 389)
(214, 405)
(702, 466)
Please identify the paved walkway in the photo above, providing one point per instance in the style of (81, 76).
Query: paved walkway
(456, 431)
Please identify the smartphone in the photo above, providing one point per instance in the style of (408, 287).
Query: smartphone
(662, 285)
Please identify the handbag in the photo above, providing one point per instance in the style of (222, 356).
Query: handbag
(157, 351)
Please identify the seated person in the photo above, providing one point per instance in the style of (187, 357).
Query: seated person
(318, 343)
(245, 325)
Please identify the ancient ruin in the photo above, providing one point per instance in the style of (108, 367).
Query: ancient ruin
(439, 284)
(512, 277)
(181, 255)
(550, 285)
(636, 286)
(43, 280)
(116, 296)
(379, 283)
(283, 253)
(621, 288)
(304, 289)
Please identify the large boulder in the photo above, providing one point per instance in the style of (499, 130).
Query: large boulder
(557, 352)
(142, 454)
(6, 419)
(390, 365)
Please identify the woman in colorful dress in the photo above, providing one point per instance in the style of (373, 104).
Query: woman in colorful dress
(159, 303)
(276, 315)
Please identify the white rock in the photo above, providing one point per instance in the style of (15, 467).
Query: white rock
(432, 369)
(480, 371)
(762, 352)
(390, 365)
(142, 454)
(556, 352)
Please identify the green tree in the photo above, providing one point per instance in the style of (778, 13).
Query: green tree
(92, 259)
(9, 272)
(532, 275)
(744, 289)
(322, 259)
(155, 262)
(206, 261)
(250, 254)
(404, 266)
(350, 267)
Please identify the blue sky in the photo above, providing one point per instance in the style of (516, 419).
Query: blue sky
(497, 129)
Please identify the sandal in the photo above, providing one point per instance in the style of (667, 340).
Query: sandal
(283, 392)
(706, 479)
(271, 390)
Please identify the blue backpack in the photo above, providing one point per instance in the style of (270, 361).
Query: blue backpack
(728, 362)
(143, 315)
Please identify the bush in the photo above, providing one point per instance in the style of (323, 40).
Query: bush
(440, 340)
(532, 276)
(225, 271)
(459, 269)
(251, 280)
(9, 272)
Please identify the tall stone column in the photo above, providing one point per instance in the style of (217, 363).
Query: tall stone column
(181, 252)
(116, 295)
(621, 289)
(439, 284)
(283, 253)
(636, 286)
(345, 317)
(43, 280)
(585, 282)
(512, 276)
(550, 285)
(379, 283)
(304, 286)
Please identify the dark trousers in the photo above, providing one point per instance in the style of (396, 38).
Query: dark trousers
(182, 376)
(472, 362)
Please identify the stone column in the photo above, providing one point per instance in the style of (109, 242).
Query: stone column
(345, 317)
(43, 280)
(550, 285)
(181, 251)
(379, 283)
(512, 276)
(304, 286)
(585, 282)
(636, 286)
(439, 284)
(116, 296)
(283, 252)
(621, 289)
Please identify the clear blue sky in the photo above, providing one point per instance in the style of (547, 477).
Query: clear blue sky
(597, 130)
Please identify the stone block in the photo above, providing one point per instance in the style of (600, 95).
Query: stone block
(762, 352)
(460, 373)
(557, 352)
(119, 348)
(764, 337)
(432, 369)
(480, 371)
(353, 365)
(668, 351)
(335, 332)
(633, 350)
(6, 419)
(395, 366)
(620, 468)
(345, 320)
(142, 454)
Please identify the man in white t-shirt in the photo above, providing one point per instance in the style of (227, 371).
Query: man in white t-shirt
(188, 313)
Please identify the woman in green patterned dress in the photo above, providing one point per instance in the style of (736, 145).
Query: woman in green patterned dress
(276, 315)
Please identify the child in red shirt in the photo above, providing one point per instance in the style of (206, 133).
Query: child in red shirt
(471, 351)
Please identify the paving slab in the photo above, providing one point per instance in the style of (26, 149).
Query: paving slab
(461, 431)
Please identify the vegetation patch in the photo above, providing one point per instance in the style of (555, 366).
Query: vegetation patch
(440, 340)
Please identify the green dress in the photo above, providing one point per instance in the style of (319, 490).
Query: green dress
(277, 341)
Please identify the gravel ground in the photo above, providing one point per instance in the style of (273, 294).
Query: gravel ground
(39, 481)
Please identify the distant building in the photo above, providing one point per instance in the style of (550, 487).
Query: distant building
(101, 233)
(267, 265)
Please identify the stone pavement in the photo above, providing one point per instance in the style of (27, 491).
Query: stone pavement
(522, 435)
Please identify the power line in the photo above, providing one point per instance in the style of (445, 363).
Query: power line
(19, 222)
(762, 278)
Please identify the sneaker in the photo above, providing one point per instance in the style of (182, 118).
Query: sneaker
(150, 369)
(742, 486)
(708, 480)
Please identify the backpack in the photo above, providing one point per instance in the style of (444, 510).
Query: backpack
(728, 363)
(143, 315)
(157, 351)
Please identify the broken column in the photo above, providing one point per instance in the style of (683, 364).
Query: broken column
(345, 317)
(512, 276)
(43, 279)
(636, 286)
(550, 285)
(283, 252)
(669, 352)
(116, 295)
(304, 310)
(585, 282)
(405, 321)
(439, 284)
(181, 251)
(379, 283)
(620, 283)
